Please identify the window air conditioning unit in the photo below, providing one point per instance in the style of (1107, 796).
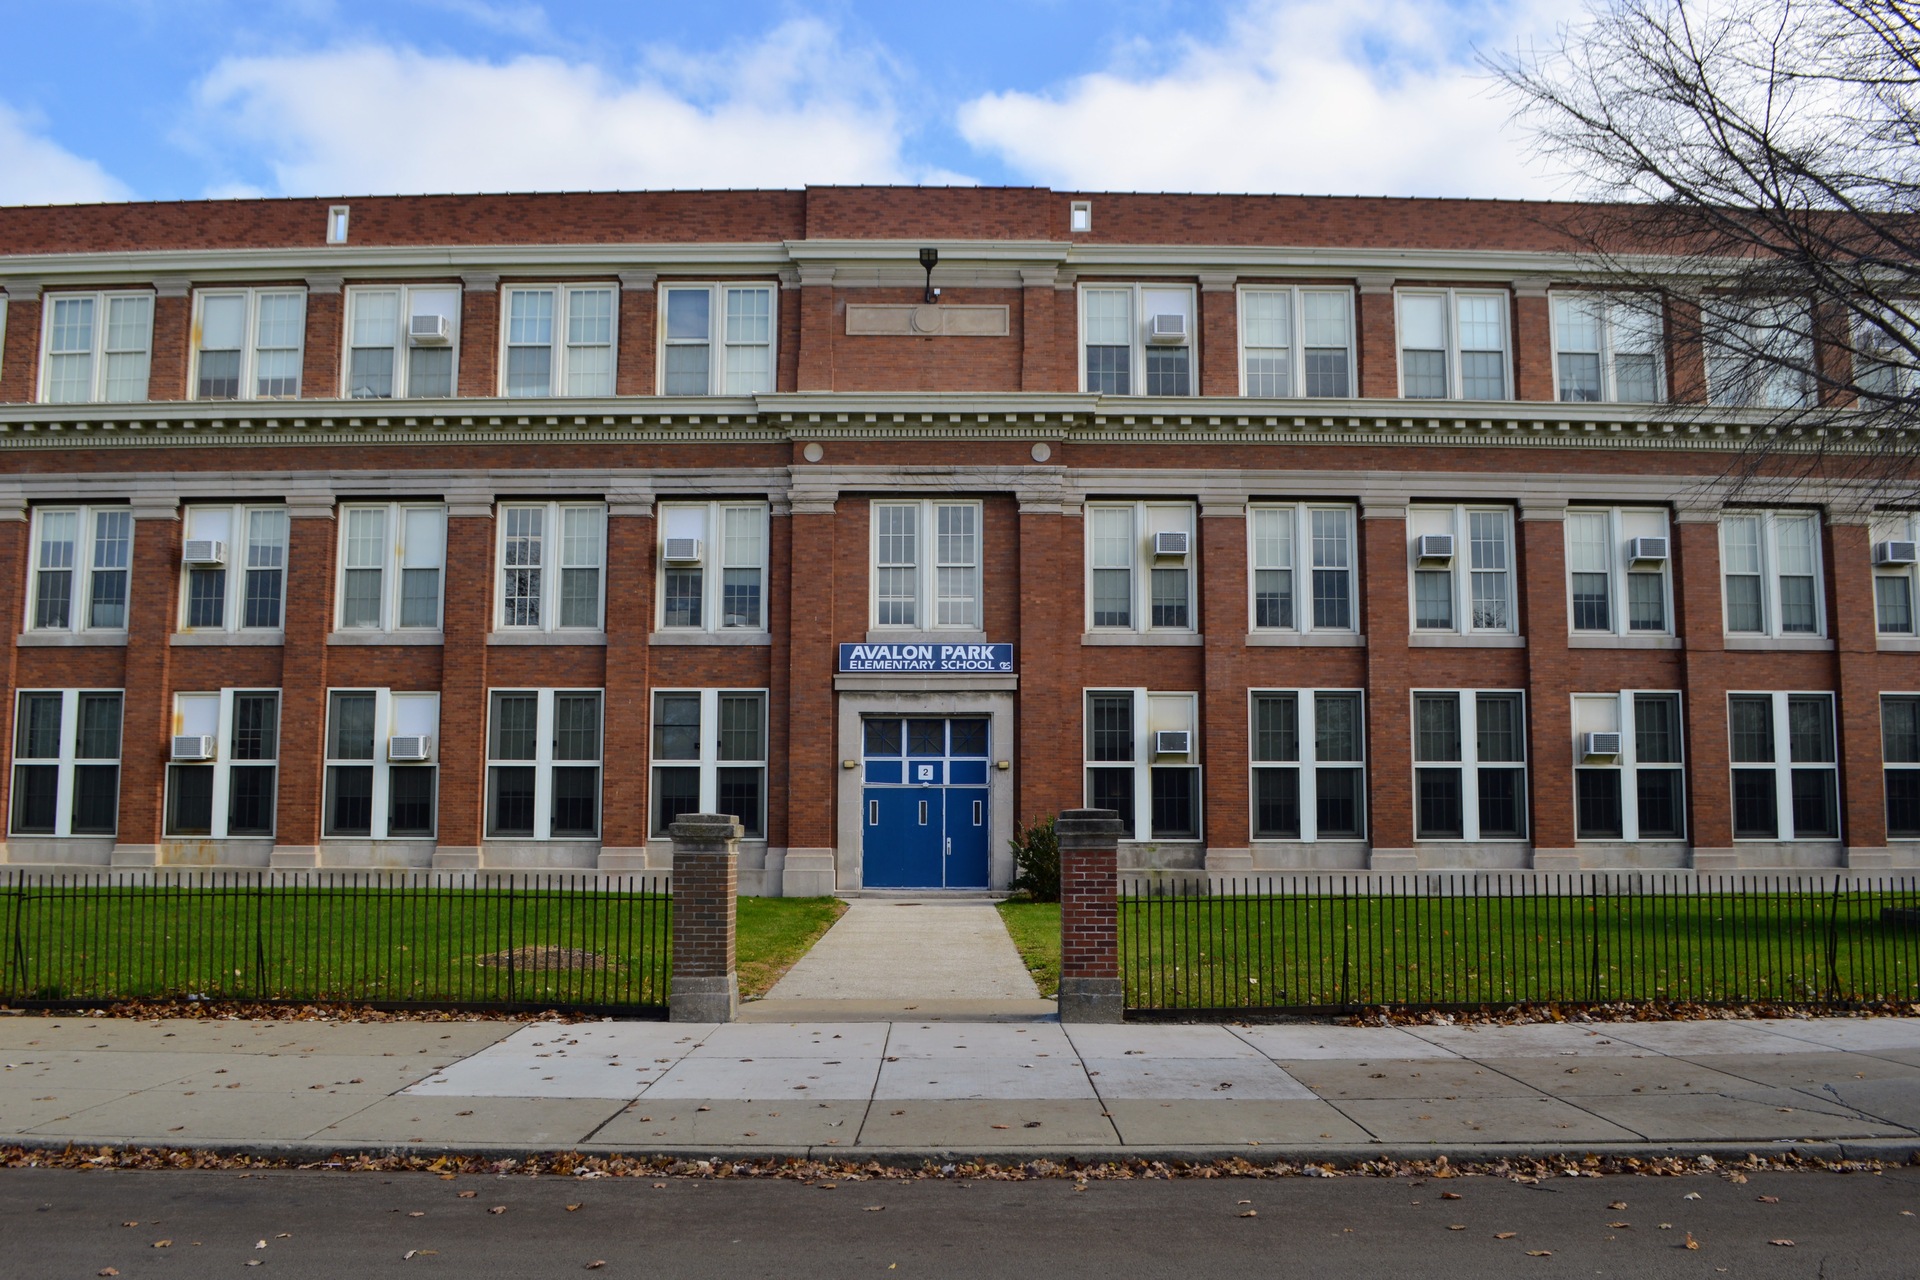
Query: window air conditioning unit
(430, 331)
(1172, 742)
(410, 746)
(1171, 545)
(1896, 552)
(1602, 745)
(683, 551)
(1169, 329)
(1644, 550)
(1436, 546)
(204, 551)
(193, 746)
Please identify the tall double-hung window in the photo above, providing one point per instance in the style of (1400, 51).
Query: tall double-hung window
(234, 568)
(1463, 569)
(713, 566)
(1470, 765)
(1628, 776)
(1770, 571)
(381, 753)
(1896, 569)
(81, 558)
(1143, 761)
(249, 344)
(1617, 571)
(559, 340)
(1607, 347)
(552, 557)
(1759, 353)
(717, 339)
(710, 756)
(97, 347)
(1296, 342)
(1137, 339)
(1303, 566)
(1900, 756)
(1309, 771)
(66, 762)
(1786, 783)
(543, 763)
(1140, 558)
(926, 565)
(225, 763)
(402, 341)
(392, 557)
(1453, 344)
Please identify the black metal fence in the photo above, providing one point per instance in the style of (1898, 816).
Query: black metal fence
(506, 941)
(1338, 943)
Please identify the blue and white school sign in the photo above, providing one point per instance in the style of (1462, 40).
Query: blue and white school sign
(923, 659)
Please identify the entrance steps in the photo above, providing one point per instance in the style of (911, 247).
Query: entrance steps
(929, 896)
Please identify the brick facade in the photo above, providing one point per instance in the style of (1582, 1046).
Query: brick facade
(999, 419)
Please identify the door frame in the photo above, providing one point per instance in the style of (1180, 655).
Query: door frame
(880, 695)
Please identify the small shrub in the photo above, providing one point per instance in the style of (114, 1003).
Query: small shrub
(1036, 854)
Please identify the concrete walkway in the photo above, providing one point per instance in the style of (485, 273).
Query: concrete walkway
(923, 957)
(1826, 1086)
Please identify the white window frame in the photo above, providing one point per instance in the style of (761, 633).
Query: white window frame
(1453, 350)
(65, 763)
(250, 349)
(386, 717)
(398, 547)
(1890, 526)
(1295, 308)
(1137, 316)
(1617, 319)
(239, 555)
(543, 765)
(98, 353)
(1882, 368)
(728, 373)
(1770, 574)
(553, 566)
(926, 568)
(1756, 369)
(1469, 764)
(1179, 705)
(410, 300)
(223, 764)
(1298, 518)
(708, 761)
(1889, 766)
(1620, 571)
(87, 548)
(1625, 711)
(1783, 765)
(711, 518)
(1461, 571)
(1306, 763)
(1140, 572)
(561, 349)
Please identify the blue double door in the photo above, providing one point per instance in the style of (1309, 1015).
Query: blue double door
(925, 810)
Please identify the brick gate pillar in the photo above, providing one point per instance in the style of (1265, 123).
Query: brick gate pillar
(1090, 988)
(706, 874)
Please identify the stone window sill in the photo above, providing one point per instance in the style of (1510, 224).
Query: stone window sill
(1422, 640)
(907, 635)
(71, 639)
(548, 638)
(1186, 639)
(1899, 644)
(746, 638)
(1310, 640)
(1624, 642)
(421, 637)
(1778, 644)
(261, 639)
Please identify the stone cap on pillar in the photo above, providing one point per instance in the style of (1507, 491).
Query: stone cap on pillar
(1088, 828)
(705, 828)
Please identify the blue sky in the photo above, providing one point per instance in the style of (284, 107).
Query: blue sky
(169, 99)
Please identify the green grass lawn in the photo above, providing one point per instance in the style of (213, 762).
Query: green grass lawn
(775, 932)
(1240, 952)
(1035, 929)
(370, 943)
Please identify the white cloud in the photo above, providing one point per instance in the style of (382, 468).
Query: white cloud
(1359, 96)
(34, 169)
(799, 106)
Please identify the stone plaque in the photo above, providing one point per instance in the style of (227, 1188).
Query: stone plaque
(925, 320)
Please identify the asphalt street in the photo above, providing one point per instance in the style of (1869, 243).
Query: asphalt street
(56, 1224)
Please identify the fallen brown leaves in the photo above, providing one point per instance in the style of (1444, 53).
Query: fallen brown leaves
(825, 1174)
(1652, 1011)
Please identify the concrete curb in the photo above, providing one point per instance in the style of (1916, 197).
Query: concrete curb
(1887, 1150)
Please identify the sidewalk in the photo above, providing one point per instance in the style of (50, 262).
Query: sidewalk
(904, 1088)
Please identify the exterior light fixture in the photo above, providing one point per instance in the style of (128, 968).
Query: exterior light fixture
(927, 259)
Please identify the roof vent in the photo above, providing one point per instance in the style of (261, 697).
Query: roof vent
(337, 224)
